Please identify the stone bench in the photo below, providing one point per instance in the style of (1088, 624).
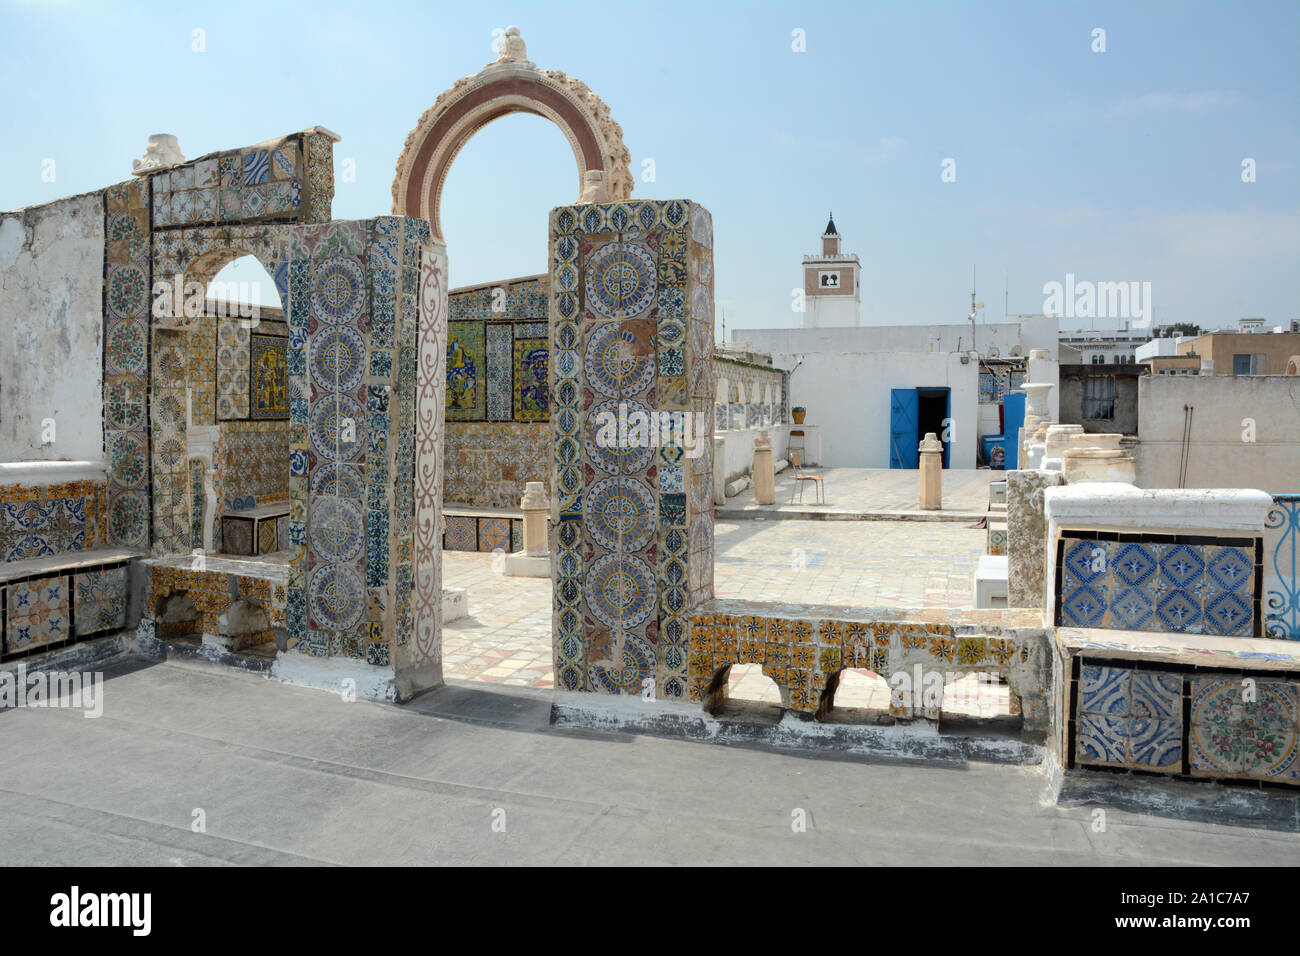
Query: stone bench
(255, 531)
(60, 599)
(804, 649)
(1187, 705)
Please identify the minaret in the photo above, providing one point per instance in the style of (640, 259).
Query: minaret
(831, 285)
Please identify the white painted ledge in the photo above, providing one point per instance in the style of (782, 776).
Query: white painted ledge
(51, 472)
(1115, 506)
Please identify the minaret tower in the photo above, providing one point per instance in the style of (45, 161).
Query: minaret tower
(831, 285)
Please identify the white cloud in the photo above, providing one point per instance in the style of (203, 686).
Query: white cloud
(1199, 101)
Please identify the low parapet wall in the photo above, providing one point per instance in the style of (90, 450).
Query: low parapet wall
(804, 649)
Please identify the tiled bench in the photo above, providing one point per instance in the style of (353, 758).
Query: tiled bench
(1187, 705)
(254, 531)
(63, 598)
(466, 529)
(804, 648)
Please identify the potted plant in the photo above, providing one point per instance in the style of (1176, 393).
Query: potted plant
(798, 413)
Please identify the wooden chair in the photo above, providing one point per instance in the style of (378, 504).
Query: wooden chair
(800, 476)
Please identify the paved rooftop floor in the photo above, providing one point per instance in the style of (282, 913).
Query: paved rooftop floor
(872, 492)
(507, 636)
(288, 775)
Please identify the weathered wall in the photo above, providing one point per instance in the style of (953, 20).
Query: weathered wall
(1126, 398)
(51, 300)
(1219, 454)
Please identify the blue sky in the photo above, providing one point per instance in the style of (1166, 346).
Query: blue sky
(1122, 165)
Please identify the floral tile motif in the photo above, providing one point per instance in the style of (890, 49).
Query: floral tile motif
(466, 372)
(268, 385)
(36, 614)
(1157, 583)
(1244, 727)
(43, 521)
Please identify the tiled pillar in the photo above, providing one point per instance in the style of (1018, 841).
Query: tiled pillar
(127, 284)
(354, 311)
(632, 420)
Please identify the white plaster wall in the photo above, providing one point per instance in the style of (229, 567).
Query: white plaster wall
(847, 395)
(1028, 332)
(829, 311)
(1218, 457)
(51, 330)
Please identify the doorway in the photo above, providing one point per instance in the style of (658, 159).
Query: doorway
(914, 412)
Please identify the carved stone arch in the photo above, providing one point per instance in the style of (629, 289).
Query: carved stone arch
(512, 84)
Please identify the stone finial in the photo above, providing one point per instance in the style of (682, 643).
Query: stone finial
(162, 151)
(513, 48)
(930, 444)
(534, 497)
(593, 186)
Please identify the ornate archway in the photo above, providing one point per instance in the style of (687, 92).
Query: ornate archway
(512, 84)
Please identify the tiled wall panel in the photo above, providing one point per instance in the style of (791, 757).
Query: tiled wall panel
(1144, 582)
(45, 520)
(631, 341)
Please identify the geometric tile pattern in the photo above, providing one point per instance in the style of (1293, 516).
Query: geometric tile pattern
(46, 520)
(263, 181)
(36, 614)
(100, 600)
(1282, 568)
(1159, 583)
(631, 340)
(1129, 718)
(481, 533)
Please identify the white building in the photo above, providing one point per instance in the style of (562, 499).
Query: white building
(1104, 347)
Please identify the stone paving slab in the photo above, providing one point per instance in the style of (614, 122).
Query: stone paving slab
(867, 494)
(506, 638)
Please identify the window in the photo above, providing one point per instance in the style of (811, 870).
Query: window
(1099, 396)
(1249, 364)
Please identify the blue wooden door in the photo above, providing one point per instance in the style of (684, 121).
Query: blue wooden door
(903, 409)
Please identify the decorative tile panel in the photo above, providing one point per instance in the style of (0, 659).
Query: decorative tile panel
(1159, 583)
(631, 391)
(39, 521)
(37, 613)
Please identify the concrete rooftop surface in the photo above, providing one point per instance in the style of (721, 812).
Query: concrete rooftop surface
(289, 775)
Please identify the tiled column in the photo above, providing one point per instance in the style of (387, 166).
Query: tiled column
(632, 419)
(355, 307)
(127, 284)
